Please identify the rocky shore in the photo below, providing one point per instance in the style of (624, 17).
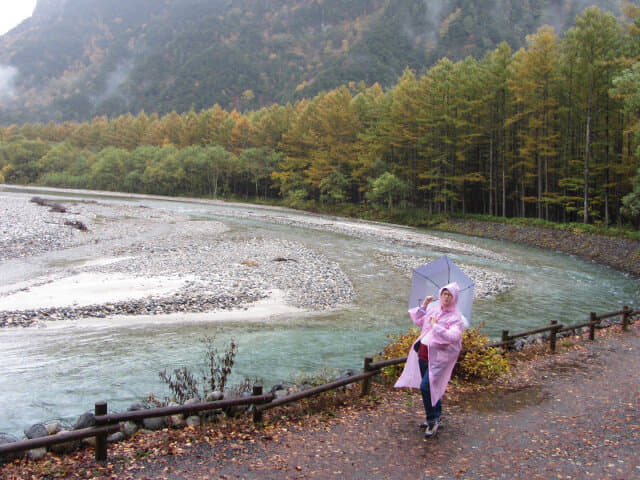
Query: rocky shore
(618, 253)
(216, 271)
(212, 268)
(487, 283)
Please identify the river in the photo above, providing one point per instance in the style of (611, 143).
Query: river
(56, 373)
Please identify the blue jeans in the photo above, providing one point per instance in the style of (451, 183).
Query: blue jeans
(433, 413)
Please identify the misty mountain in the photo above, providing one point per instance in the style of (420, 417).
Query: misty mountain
(75, 59)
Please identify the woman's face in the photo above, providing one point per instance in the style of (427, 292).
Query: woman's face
(446, 298)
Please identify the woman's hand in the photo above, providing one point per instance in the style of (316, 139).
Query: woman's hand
(433, 320)
(427, 301)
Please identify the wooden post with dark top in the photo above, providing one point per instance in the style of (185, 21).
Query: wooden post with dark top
(366, 383)
(101, 439)
(626, 311)
(257, 413)
(552, 336)
(592, 325)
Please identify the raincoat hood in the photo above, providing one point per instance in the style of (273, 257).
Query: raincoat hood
(454, 290)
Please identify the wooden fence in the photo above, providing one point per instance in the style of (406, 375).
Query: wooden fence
(107, 423)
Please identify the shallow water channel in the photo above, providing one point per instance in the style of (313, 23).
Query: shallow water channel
(60, 371)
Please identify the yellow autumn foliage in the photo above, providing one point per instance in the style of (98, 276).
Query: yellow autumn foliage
(476, 362)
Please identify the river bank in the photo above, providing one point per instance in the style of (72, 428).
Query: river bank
(618, 253)
(134, 260)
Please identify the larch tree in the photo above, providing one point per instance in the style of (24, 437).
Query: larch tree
(594, 41)
(533, 85)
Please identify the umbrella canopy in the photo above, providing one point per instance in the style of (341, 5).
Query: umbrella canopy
(430, 278)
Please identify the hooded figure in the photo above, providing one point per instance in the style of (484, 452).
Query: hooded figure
(442, 328)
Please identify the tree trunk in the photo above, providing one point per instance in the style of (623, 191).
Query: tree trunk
(606, 168)
(491, 173)
(585, 214)
(539, 165)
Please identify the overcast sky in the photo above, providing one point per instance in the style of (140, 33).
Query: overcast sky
(12, 12)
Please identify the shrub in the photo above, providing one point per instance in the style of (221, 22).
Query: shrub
(479, 361)
(184, 384)
(219, 365)
(398, 347)
(297, 199)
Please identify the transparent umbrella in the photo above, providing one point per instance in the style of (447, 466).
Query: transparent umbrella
(430, 278)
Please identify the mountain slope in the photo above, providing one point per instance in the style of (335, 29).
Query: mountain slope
(75, 59)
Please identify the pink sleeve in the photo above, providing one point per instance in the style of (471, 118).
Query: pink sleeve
(443, 335)
(417, 315)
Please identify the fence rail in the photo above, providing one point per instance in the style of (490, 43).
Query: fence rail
(255, 399)
(63, 437)
(594, 321)
(257, 416)
(107, 423)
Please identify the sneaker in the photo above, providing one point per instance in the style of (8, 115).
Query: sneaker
(425, 424)
(431, 429)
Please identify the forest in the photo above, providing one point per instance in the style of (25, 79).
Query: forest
(549, 131)
(78, 59)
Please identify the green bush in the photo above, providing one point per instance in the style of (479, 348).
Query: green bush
(477, 360)
(398, 347)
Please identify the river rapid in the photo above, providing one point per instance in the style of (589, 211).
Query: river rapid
(57, 370)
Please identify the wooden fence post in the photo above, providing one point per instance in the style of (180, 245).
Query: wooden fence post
(552, 336)
(366, 383)
(592, 325)
(625, 318)
(101, 439)
(257, 413)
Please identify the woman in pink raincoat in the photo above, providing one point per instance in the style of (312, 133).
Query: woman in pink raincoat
(431, 360)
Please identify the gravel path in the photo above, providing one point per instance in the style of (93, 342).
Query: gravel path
(214, 269)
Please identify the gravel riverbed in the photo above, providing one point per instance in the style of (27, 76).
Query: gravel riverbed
(189, 265)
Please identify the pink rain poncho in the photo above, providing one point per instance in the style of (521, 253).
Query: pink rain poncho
(444, 341)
